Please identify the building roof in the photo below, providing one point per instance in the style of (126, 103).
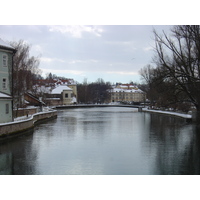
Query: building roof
(55, 82)
(126, 86)
(33, 99)
(4, 96)
(5, 45)
(59, 89)
(126, 90)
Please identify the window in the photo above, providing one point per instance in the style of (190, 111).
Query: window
(7, 108)
(4, 85)
(5, 61)
(66, 95)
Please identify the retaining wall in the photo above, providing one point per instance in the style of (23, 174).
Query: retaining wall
(24, 111)
(14, 128)
(187, 117)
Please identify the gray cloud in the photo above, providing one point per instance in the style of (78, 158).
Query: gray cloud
(112, 52)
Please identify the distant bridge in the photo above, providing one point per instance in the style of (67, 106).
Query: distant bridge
(98, 105)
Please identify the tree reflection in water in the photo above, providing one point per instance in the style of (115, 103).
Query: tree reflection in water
(175, 145)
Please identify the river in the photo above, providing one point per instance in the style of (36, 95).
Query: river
(104, 141)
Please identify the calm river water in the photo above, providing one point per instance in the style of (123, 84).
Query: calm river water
(105, 141)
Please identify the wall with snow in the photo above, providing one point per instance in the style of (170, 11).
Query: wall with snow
(25, 111)
(13, 128)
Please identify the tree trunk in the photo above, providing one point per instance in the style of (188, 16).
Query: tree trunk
(196, 116)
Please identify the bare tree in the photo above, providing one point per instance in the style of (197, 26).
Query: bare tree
(153, 79)
(179, 56)
(25, 71)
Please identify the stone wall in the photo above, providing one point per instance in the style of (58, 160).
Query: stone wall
(14, 128)
(24, 111)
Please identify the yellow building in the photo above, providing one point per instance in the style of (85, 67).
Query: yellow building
(127, 93)
(62, 95)
(74, 89)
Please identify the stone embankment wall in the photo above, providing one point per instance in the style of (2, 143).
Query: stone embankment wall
(188, 117)
(14, 128)
(22, 112)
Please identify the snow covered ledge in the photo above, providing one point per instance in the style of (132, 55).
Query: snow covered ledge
(10, 129)
(188, 117)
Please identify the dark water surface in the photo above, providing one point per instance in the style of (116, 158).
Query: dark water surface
(106, 141)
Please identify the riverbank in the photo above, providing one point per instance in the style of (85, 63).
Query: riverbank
(13, 129)
(95, 105)
(187, 117)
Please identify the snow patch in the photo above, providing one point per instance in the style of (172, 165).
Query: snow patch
(188, 116)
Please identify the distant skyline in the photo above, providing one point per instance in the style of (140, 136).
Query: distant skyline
(114, 53)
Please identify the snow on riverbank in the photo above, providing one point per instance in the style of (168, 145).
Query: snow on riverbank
(187, 116)
(28, 117)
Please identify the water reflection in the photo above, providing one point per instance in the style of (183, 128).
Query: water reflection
(105, 141)
(173, 145)
(6, 164)
(15, 156)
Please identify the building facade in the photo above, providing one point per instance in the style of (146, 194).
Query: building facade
(6, 67)
(74, 91)
(57, 91)
(127, 93)
(61, 95)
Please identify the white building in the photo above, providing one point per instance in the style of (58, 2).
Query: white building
(61, 95)
(6, 65)
(127, 93)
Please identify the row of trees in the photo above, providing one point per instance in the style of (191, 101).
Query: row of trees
(96, 92)
(163, 92)
(175, 79)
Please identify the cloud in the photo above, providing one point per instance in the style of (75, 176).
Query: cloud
(149, 48)
(122, 72)
(118, 42)
(36, 49)
(82, 61)
(61, 71)
(50, 60)
(77, 31)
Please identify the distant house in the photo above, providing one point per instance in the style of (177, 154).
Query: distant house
(61, 95)
(127, 93)
(31, 100)
(6, 67)
(54, 90)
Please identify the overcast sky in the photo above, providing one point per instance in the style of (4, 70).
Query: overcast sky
(113, 52)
